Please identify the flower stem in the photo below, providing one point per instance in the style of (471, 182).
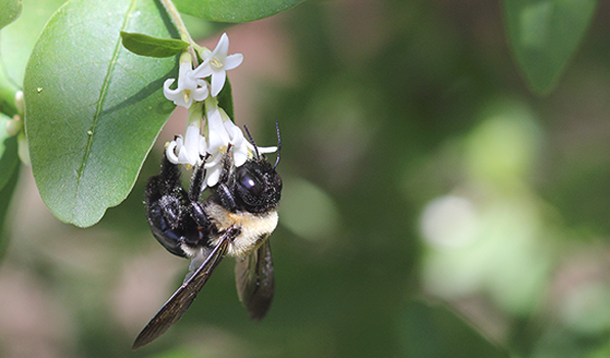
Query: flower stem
(195, 114)
(184, 33)
(210, 103)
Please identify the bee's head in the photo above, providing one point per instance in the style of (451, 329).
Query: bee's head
(258, 186)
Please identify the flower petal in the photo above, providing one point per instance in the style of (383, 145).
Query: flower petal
(188, 149)
(184, 69)
(200, 93)
(205, 53)
(170, 152)
(239, 157)
(217, 137)
(168, 91)
(213, 175)
(187, 86)
(232, 61)
(267, 149)
(220, 52)
(203, 70)
(183, 157)
(191, 144)
(218, 81)
(203, 146)
(213, 161)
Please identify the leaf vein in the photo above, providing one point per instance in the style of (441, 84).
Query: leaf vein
(100, 102)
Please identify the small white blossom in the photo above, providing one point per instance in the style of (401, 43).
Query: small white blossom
(220, 136)
(187, 150)
(240, 147)
(217, 63)
(224, 134)
(189, 87)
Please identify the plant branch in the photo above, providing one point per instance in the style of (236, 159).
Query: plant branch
(184, 34)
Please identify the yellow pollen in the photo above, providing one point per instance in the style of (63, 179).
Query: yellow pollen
(187, 94)
(217, 64)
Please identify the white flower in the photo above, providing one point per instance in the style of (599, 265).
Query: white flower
(240, 147)
(217, 64)
(189, 88)
(217, 142)
(224, 134)
(187, 151)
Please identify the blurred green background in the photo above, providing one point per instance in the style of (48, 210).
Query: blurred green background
(433, 206)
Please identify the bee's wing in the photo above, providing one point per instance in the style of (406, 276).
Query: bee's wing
(254, 279)
(180, 301)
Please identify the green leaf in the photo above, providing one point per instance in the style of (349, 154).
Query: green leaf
(145, 45)
(10, 10)
(234, 10)
(9, 173)
(17, 39)
(434, 331)
(6, 194)
(94, 109)
(9, 161)
(544, 34)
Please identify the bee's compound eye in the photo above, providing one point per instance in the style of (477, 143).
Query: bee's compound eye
(250, 182)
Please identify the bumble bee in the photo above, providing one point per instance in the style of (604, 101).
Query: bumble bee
(236, 219)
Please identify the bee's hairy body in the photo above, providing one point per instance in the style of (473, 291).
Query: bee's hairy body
(253, 229)
(236, 219)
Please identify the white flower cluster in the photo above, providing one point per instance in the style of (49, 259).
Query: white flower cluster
(220, 133)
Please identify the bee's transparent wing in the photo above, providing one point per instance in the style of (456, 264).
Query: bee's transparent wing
(180, 301)
(254, 279)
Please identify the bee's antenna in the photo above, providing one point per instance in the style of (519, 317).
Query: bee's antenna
(252, 141)
(279, 144)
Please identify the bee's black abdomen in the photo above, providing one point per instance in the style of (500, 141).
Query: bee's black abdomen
(165, 203)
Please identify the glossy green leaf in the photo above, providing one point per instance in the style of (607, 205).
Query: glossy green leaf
(9, 161)
(94, 109)
(17, 39)
(544, 34)
(145, 45)
(434, 331)
(10, 10)
(234, 10)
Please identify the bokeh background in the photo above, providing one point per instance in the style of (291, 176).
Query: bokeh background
(433, 206)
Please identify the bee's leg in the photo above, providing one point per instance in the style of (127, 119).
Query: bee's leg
(197, 181)
(222, 191)
(199, 215)
(226, 198)
(195, 190)
(227, 166)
